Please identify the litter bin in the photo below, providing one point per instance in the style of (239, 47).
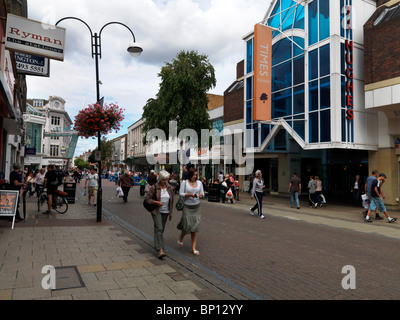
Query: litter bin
(70, 189)
(214, 193)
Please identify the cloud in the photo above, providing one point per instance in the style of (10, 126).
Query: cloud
(161, 27)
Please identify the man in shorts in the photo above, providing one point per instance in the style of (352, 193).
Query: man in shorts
(376, 199)
(92, 185)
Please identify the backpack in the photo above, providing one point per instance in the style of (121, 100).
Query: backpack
(59, 177)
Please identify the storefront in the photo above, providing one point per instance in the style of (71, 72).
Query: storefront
(318, 123)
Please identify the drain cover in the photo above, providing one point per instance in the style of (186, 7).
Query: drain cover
(68, 278)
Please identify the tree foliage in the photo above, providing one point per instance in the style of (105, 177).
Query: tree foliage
(182, 95)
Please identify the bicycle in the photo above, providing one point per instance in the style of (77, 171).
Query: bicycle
(60, 203)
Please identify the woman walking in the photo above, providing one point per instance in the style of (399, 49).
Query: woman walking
(318, 191)
(161, 194)
(228, 184)
(192, 191)
(126, 182)
(257, 192)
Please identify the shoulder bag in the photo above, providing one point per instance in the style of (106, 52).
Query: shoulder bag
(181, 201)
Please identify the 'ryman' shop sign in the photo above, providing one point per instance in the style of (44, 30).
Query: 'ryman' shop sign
(34, 37)
(262, 72)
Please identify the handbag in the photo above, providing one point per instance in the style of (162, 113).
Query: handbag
(224, 184)
(149, 207)
(180, 204)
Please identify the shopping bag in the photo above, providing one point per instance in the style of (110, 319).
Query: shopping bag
(120, 193)
(229, 194)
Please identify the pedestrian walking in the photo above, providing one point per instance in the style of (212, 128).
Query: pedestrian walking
(318, 191)
(191, 214)
(227, 185)
(356, 190)
(152, 178)
(368, 189)
(142, 184)
(257, 191)
(161, 194)
(126, 182)
(377, 199)
(294, 190)
(91, 183)
(312, 188)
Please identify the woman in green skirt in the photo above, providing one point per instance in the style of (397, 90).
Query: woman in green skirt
(192, 190)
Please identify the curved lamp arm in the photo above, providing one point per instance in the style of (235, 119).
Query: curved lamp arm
(90, 30)
(115, 22)
(91, 33)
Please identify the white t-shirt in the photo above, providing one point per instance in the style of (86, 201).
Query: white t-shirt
(39, 179)
(165, 200)
(92, 179)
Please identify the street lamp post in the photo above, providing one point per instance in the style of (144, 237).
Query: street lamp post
(133, 50)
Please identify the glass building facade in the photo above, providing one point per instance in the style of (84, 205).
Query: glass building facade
(310, 87)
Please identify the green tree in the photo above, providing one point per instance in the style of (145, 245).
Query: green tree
(81, 164)
(105, 151)
(182, 95)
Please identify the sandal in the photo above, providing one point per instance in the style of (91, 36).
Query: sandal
(196, 253)
(180, 244)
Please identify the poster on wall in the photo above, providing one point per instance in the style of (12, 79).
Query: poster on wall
(8, 204)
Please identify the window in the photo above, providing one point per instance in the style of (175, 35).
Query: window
(318, 21)
(55, 121)
(286, 15)
(54, 150)
(250, 56)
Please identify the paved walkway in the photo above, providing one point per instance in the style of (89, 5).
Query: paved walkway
(93, 261)
(97, 261)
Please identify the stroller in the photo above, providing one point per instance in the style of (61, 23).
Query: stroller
(315, 204)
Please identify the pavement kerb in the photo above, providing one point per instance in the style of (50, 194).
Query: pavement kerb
(336, 216)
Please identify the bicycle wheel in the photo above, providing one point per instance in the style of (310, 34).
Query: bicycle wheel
(60, 204)
(41, 199)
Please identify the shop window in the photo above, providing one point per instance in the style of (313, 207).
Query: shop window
(281, 51)
(282, 76)
(249, 112)
(249, 56)
(299, 22)
(324, 58)
(313, 127)
(318, 21)
(313, 96)
(298, 70)
(299, 125)
(325, 93)
(288, 18)
(298, 99)
(324, 29)
(297, 48)
(325, 126)
(313, 22)
(249, 88)
(313, 64)
(282, 104)
(265, 130)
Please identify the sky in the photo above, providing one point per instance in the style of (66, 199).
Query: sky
(162, 28)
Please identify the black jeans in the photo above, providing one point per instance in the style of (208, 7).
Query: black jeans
(125, 190)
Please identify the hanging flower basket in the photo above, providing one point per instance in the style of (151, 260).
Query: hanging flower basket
(95, 118)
